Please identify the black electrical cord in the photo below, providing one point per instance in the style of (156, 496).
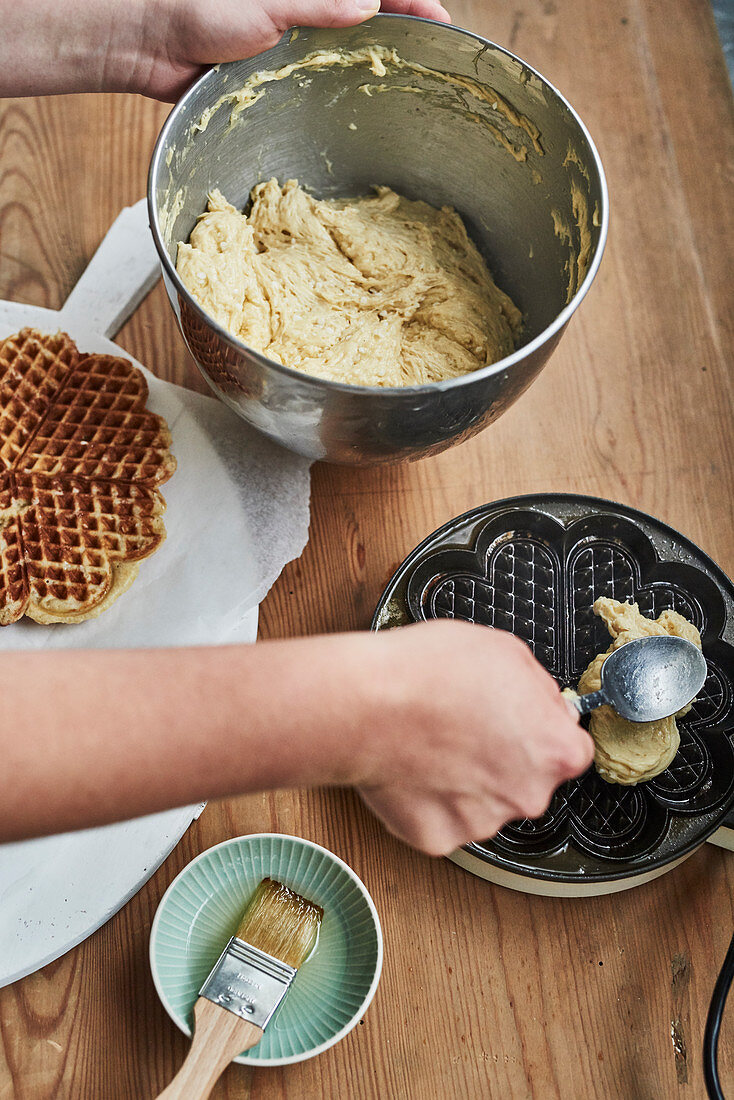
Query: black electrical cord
(713, 1026)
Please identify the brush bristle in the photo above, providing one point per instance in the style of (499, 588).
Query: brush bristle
(281, 923)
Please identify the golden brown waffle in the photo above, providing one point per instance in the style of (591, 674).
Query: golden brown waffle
(80, 458)
(33, 368)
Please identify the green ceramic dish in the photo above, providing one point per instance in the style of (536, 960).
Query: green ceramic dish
(202, 907)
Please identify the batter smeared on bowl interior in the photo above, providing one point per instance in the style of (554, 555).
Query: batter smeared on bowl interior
(375, 291)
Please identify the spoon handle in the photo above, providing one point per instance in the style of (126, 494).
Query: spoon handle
(586, 703)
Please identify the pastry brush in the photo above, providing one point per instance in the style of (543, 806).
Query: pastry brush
(276, 934)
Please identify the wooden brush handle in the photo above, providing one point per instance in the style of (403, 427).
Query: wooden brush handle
(219, 1036)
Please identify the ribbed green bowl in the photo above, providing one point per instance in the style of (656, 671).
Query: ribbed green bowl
(202, 907)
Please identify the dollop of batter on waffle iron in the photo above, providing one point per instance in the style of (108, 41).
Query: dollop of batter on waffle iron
(632, 752)
(80, 459)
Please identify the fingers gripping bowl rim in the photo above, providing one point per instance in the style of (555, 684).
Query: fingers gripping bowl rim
(201, 909)
(516, 198)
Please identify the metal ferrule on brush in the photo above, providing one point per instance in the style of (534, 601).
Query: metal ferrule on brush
(248, 982)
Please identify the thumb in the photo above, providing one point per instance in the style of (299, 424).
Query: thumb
(321, 13)
(246, 29)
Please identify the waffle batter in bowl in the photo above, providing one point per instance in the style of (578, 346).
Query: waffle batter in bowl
(375, 291)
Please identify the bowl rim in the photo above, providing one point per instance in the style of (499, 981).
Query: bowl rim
(406, 392)
(245, 1059)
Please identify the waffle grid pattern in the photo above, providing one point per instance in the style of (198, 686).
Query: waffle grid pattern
(31, 375)
(519, 595)
(80, 458)
(97, 427)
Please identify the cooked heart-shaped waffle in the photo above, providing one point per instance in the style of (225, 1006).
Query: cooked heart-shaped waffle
(80, 459)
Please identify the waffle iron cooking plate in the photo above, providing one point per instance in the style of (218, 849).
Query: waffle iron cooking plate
(534, 565)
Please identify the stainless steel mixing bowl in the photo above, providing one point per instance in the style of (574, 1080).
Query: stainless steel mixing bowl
(496, 141)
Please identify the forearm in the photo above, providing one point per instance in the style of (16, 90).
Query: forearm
(92, 737)
(52, 46)
(447, 729)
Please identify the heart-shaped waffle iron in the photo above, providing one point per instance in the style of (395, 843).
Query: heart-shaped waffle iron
(535, 566)
(80, 459)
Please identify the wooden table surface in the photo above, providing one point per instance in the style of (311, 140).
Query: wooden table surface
(485, 992)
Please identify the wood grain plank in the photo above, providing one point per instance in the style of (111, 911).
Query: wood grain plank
(485, 993)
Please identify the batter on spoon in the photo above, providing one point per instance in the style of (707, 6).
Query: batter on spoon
(632, 752)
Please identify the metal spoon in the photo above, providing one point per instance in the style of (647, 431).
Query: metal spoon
(648, 679)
